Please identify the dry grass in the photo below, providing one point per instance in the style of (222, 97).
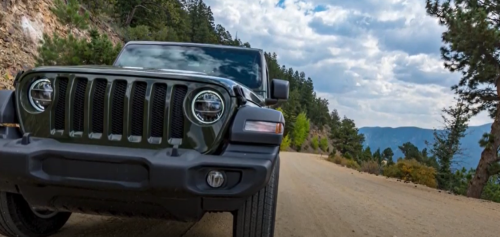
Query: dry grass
(337, 159)
(371, 167)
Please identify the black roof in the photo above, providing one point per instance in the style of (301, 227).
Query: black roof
(192, 44)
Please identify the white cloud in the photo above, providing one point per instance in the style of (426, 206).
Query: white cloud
(376, 61)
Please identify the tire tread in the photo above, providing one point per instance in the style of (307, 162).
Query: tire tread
(256, 217)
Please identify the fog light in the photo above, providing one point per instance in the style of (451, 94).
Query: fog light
(215, 179)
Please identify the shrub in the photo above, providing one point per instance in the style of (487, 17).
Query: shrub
(140, 32)
(315, 143)
(371, 167)
(323, 144)
(351, 164)
(70, 14)
(285, 144)
(300, 130)
(392, 171)
(73, 51)
(412, 170)
(336, 159)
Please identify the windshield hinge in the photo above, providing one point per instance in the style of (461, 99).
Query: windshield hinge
(240, 95)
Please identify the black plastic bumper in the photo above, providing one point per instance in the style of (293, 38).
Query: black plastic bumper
(115, 180)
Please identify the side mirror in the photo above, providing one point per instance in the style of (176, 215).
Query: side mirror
(279, 92)
(280, 89)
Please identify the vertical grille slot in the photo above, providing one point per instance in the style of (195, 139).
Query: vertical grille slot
(137, 118)
(118, 106)
(78, 106)
(158, 110)
(98, 105)
(60, 110)
(177, 124)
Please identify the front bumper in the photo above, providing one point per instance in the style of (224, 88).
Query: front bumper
(73, 177)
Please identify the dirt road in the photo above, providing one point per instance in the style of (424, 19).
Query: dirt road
(318, 198)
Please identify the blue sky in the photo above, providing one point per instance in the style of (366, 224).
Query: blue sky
(376, 61)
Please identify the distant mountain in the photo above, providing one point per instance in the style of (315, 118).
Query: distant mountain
(383, 137)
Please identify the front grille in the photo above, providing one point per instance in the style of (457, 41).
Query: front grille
(139, 93)
(60, 107)
(158, 115)
(118, 107)
(106, 106)
(178, 122)
(78, 104)
(98, 100)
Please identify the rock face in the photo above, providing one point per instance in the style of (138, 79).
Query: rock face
(22, 25)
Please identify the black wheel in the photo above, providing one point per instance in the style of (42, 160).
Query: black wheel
(18, 219)
(257, 216)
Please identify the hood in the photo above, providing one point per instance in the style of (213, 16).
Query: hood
(160, 74)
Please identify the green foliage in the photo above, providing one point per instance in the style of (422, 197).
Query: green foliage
(377, 156)
(447, 142)
(285, 144)
(70, 13)
(98, 7)
(412, 170)
(323, 144)
(387, 154)
(144, 33)
(410, 151)
(72, 51)
(315, 143)
(367, 154)
(392, 171)
(352, 164)
(348, 140)
(492, 189)
(460, 180)
(300, 130)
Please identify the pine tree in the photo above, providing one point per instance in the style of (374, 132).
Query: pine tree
(471, 47)
(447, 142)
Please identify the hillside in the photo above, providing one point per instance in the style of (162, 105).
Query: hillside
(383, 137)
(22, 26)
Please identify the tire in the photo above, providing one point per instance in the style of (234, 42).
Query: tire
(18, 220)
(257, 216)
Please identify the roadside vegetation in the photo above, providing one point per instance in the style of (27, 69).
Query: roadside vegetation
(310, 125)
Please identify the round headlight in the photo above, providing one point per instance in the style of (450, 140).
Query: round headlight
(207, 107)
(40, 94)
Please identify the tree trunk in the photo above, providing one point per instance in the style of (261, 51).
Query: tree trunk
(130, 16)
(488, 157)
(480, 179)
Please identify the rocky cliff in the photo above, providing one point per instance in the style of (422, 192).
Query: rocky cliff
(22, 25)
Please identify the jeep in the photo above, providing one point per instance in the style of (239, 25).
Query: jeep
(169, 131)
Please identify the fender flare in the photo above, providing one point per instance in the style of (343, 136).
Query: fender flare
(251, 113)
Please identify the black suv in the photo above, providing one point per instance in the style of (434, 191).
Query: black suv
(171, 130)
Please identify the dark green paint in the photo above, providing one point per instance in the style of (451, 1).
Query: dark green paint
(203, 138)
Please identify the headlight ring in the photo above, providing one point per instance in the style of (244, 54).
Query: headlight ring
(40, 94)
(207, 107)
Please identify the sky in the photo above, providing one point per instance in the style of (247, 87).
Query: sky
(376, 61)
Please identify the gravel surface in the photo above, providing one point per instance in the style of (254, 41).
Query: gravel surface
(319, 198)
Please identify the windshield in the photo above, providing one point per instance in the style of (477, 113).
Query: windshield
(243, 66)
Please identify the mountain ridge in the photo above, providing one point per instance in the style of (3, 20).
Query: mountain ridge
(383, 137)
